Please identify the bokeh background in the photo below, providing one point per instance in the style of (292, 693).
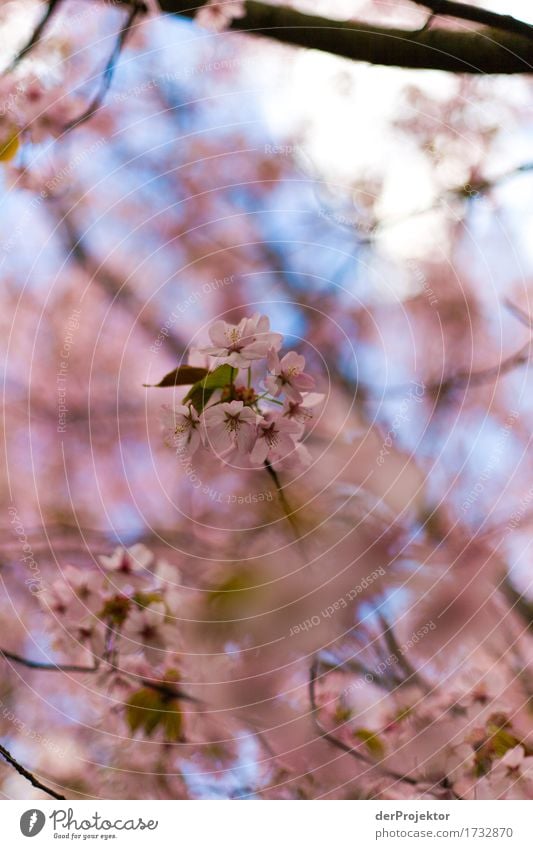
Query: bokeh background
(381, 217)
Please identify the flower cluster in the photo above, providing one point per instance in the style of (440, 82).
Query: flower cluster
(124, 608)
(217, 15)
(32, 110)
(230, 417)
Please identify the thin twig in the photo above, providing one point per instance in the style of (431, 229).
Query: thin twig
(350, 750)
(162, 687)
(461, 379)
(28, 775)
(109, 70)
(36, 35)
(49, 667)
(413, 677)
(519, 314)
(335, 741)
(287, 511)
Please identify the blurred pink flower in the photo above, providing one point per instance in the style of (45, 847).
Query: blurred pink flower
(217, 15)
(127, 561)
(512, 776)
(147, 629)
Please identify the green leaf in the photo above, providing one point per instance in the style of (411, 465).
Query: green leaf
(173, 724)
(201, 392)
(148, 709)
(371, 741)
(143, 710)
(181, 376)
(144, 600)
(239, 591)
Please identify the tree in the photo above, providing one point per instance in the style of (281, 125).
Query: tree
(326, 597)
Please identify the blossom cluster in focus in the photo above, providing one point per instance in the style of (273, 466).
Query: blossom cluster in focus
(252, 406)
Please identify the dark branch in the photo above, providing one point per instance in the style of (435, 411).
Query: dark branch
(487, 51)
(466, 12)
(335, 741)
(36, 35)
(349, 750)
(522, 316)
(412, 675)
(28, 775)
(49, 667)
(161, 687)
(109, 70)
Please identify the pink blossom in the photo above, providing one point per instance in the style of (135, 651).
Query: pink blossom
(230, 426)
(147, 629)
(85, 585)
(182, 426)
(240, 344)
(302, 411)
(127, 562)
(90, 633)
(275, 439)
(217, 15)
(511, 777)
(287, 375)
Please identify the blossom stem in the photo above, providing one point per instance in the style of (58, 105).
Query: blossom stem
(289, 514)
(270, 400)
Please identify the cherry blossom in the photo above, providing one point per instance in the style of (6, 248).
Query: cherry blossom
(511, 777)
(240, 344)
(147, 629)
(182, 426)
(234, 419)
(230, 426)
(302, 410)
(127, 562)
(275, 439)
(287, 375)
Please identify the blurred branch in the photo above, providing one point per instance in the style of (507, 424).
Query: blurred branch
(162, 687)
(412, 676)
(522, 316)
(28, 775)
(349, 750)
(460, 379)
(137, 8)
(464, 192)
(50, 667)
(486, 51)
(466, 12)
(336, 741)
(519, 602)
(116, 289)
(479, 378)
(36, 34)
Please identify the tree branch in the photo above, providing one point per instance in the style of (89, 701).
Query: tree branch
(486, 51)
(28, 775)
(36, 34)
(162, 687)
(137, 8)
(355, 753)
(466, 12)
